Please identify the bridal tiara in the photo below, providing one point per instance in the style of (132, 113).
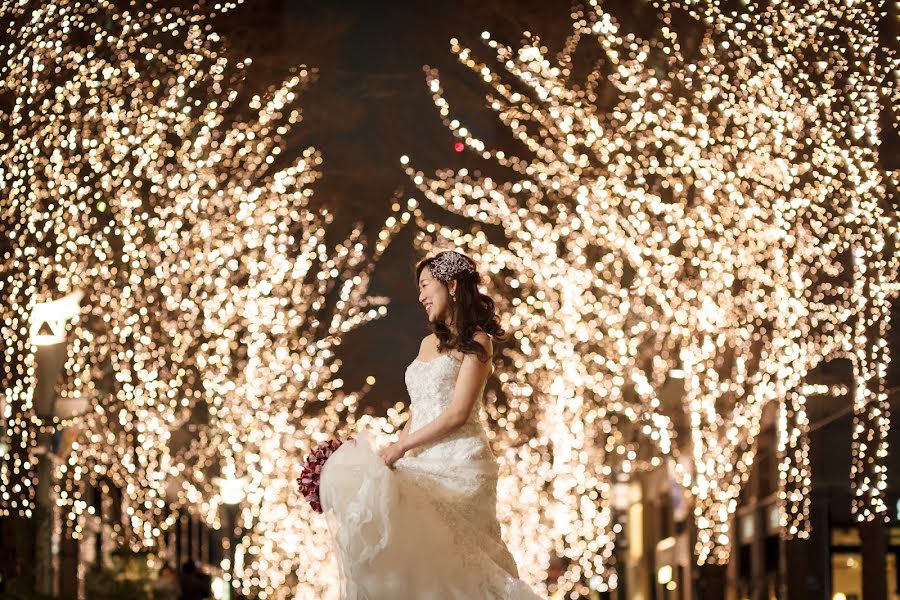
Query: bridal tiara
(448, 265)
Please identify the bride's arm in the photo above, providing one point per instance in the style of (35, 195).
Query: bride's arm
(405, 431)
(469, 383)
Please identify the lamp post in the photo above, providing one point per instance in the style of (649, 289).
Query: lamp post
(48, 334)
(231, 491)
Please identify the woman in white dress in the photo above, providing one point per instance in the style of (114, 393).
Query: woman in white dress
(417, 519)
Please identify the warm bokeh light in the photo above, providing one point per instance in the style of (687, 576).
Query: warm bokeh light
(205, 348)
(688, 227)
(725, 217)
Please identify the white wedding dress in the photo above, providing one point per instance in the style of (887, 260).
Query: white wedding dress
(428, 528)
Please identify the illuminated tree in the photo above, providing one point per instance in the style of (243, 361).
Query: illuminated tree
(74, 143)
(594, 343)
(814, 78)
(214, 304)
(272, 393)
(692, 223)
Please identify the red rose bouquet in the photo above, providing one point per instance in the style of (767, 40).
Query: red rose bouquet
(312, 471)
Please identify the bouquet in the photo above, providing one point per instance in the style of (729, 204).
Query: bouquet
(312, 471)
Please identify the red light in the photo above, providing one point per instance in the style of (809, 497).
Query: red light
(459, 146)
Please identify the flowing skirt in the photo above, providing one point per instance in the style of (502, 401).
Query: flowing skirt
(426, 529)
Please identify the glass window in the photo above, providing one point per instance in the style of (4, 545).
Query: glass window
(774, 518)
(892, 583)
(747, 524)
(894, 536)
(845, 537)
(846, 576)
(846, 564)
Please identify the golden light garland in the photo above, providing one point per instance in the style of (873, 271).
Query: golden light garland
(214, 305)
(828, 58)
(794, 471)
(60, 161)
(794, 476)
(702, 203)
(273, 394)
(692, 225)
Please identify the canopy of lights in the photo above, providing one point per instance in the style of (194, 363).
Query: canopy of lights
(204, 348)
(718, 209)
(724, 214)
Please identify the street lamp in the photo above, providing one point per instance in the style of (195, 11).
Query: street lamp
(48, 319)
(47, 331)
(231, 492)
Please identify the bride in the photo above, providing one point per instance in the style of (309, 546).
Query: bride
(417, 519)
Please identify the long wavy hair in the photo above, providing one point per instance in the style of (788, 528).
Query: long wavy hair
(472, 311)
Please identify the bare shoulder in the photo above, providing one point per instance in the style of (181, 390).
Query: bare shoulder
(428, 342)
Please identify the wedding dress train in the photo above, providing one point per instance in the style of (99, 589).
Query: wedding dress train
(428, 528)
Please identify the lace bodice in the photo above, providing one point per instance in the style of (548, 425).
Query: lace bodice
(430, 385)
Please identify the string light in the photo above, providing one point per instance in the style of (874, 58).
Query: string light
(693, 224)
(60, 160)
(794, 476)
(213, 305)
(828, 57)
(725, 216)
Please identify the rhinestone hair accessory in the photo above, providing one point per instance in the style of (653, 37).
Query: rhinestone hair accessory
(450, 264)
